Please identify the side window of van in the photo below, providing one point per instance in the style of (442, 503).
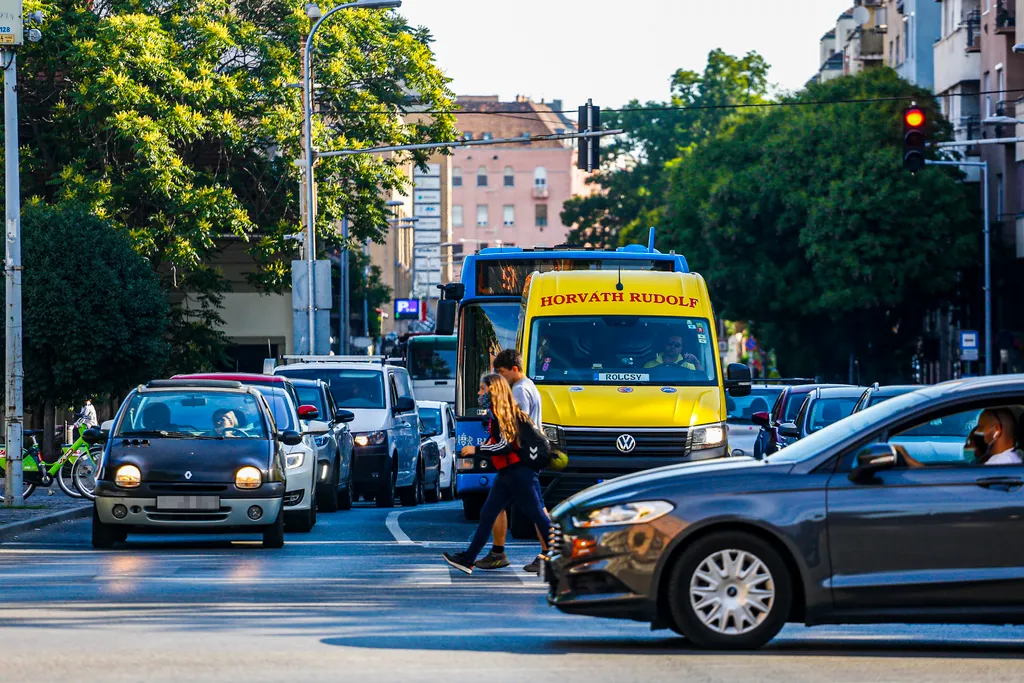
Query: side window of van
(403, 384)
(451, 421)
(392, 390)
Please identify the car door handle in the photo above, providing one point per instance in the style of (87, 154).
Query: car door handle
(1001, 483)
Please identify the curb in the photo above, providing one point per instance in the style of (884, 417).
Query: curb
(8, 531)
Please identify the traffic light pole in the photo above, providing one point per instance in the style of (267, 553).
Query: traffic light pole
(983, 165)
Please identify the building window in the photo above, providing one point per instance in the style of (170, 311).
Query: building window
(488, 136)
(467, 136)
(481, 176)
(898, 60)
(457, 215)
(481, 215)
(510, 177)
(456, 177)
(509, 215)
(542, 215)
(540, 177)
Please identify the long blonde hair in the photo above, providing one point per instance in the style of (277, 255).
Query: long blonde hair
(504, 406)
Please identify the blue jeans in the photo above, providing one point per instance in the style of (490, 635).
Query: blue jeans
(518, 484)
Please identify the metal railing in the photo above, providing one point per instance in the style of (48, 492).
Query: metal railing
(1006, 18)
(972, 21)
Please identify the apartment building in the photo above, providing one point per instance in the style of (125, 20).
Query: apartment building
(857, 43)
(957, 73)
(911, 28)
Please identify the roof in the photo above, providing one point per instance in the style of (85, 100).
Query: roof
(243, 377)
(804, 388)
(180, 383)
(303, 382)
(478, 116)
(431, 404)
(896, 389)
(841, 392)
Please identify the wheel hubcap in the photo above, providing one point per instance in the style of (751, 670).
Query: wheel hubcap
(732, 592)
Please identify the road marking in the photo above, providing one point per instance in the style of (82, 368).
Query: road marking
(396, 531)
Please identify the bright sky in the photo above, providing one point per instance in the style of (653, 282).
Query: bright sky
(614, 51)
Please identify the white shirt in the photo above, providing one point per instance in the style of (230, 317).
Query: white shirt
(528, 399)
(90, 415)
(1007, 457)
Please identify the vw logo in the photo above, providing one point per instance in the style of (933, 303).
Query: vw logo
(188, 475)
(625, 443)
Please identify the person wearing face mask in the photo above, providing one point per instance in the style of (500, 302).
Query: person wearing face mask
(994, 441)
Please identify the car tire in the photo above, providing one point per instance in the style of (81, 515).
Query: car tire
(273, 535)
(302, 521)
(411, 496)
(434, 494)
(348, 496)
(104, 536)
(327, 494)
(471, 506)
(385, 497)
(449, 492)
(761, 618)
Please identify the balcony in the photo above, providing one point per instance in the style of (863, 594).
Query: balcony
(955, 61)
(1006, 17)
(871, 45)
(540, 191)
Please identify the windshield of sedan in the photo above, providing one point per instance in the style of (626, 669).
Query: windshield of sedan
(741, 409)
(350, 388)
(622, 349)
(310, 396)
(192, 414)
(814, 444)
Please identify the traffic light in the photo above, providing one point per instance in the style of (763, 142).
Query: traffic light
(590, 148)
(914, 122)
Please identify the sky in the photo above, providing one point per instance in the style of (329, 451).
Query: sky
(614, 51)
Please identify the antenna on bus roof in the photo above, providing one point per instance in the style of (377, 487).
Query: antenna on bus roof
(650, 240)
(618, 286)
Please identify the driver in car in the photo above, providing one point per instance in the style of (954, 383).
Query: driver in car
(225, 423)
(672, 354)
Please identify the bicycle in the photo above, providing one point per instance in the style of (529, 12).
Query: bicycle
(37, 472)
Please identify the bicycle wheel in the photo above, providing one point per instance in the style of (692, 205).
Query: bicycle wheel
(84, 475)
(66, 478)
(26, 490)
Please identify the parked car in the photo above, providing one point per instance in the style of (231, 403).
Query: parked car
(838, 528)
(300, 498)
(386, 427)
(335, 488)
(439, 420)
(820, 408)
(742, 430)
(428, 488)
(786, 407)
(169, 465)
(876, 394)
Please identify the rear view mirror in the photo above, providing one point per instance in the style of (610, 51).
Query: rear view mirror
(737, 379)
(445, 320)
(106, 426)
(316, 428)
(762, 419)
(789, 429)
(290, 437)
(404, 405)
(873, 458)
(308, 412)
(344, 416)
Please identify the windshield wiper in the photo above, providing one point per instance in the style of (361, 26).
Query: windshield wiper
(158, 432)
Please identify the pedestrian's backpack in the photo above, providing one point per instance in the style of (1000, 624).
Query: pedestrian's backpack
(534, 447)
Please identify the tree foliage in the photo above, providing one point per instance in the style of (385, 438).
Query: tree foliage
(633, 182)
(804, 222)
(173, 119)
(94, 314)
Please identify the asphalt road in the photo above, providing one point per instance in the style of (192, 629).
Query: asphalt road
(365, 596)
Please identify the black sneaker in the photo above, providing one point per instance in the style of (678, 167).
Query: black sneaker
(492, 561)
(460, 561)
(533, 567)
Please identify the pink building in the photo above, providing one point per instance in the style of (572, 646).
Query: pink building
(512, 194)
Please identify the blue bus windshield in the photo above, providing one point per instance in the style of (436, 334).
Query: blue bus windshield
(486, 329)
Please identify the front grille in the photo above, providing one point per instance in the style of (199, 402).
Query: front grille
(186, 516)
(648, 442)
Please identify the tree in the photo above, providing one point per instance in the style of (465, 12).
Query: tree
(94, 315)
(633, 182)
(174, 120)
(804, 223)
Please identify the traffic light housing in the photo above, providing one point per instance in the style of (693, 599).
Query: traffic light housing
(914, 123)
(590, 148)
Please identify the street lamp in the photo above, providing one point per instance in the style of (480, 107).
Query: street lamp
(313, 12)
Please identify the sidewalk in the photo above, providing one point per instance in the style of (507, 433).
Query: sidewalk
(43, 507)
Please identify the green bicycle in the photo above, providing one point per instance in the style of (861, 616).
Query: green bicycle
(36, 472)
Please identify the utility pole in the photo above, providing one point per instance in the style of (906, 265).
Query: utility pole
(344, 317)
(14, 412)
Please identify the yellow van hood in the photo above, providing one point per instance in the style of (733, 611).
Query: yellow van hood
(606, 406)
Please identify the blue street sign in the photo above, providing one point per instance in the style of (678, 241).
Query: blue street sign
(968, 345)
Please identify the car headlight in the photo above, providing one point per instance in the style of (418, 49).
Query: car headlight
(464, 463)
(128, 476)
(248, 477)
(623, 514)
(321, 440)
(708, 436)
(553, 433)
(293, 460)
(371, 438)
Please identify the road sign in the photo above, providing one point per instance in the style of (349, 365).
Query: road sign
(407, 309)
(968, 345)
(12, 23)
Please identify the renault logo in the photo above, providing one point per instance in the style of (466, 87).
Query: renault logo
(188, 475)
(625, 443)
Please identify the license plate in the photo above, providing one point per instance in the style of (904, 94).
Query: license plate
(188, 502)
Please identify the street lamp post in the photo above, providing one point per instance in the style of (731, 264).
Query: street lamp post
(307, 111)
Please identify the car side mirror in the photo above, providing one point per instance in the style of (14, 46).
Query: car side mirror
(106, 426)
(307, 412)
(317, 428)
(404, 405)
(93, 436)
(444, 322)
(874, 458)
(789, 429)
(737, 379)
(762, 419)
(290, 437)
(344, 416)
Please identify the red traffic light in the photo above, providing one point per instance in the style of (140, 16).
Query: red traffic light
(914, 118)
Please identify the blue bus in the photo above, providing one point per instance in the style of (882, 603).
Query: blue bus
(488, 320)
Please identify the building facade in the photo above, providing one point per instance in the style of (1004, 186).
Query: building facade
(911, 29)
